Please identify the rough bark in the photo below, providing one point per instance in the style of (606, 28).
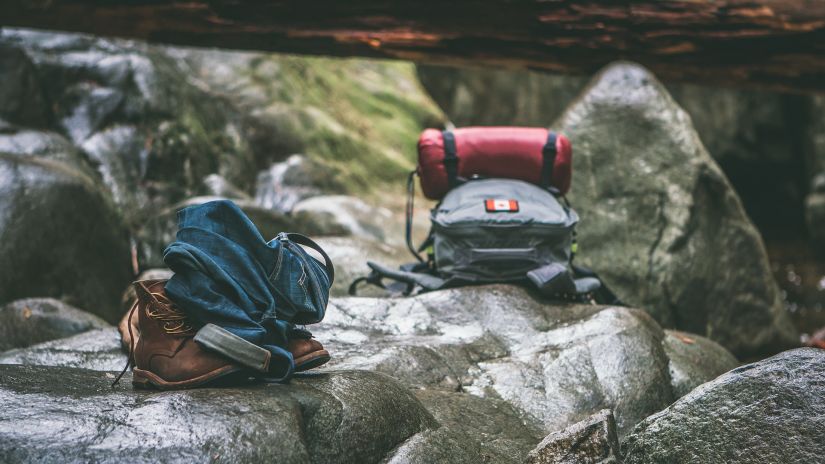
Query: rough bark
(776, 44)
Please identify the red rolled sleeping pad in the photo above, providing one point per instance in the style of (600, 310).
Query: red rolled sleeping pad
(531, 154)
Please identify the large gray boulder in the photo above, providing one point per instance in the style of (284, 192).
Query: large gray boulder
(771, 411)
(550, 364)
(555, 364)
(35, 320)
(60, 236)
(98, 350)
(663, 226)
(355, 417)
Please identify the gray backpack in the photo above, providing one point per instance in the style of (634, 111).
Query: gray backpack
(495, 231)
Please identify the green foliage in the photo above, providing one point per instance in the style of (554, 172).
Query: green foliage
(359, 118)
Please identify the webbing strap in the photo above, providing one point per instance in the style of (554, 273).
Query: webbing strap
(410, 278)
(409, 215)
(425, 280)
(450, 158)
(548, 160)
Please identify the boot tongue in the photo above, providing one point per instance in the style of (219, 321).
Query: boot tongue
(175, 321)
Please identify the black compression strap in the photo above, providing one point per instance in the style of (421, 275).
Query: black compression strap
(410, 211)
(548, 159)
(450, 158)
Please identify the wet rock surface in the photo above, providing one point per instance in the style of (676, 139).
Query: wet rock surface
(547, 365)
(591, 441)
(96, 349)
(771, 411)
(323, 418)
(676, 240)
(34, 320)
(555, 364)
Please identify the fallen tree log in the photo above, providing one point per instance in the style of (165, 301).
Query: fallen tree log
(773, 44)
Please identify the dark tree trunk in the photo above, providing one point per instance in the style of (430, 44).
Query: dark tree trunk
(774, 44)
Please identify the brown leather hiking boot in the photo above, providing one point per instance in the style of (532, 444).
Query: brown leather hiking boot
(308, 353)
(164, 352)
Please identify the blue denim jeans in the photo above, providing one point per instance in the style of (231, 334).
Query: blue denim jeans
(227, 274)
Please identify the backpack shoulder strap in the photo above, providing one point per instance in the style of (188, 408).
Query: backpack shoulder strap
(425, 280)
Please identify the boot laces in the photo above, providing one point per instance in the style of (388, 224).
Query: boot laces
(131, 343)
(174, 320)
(174, 323)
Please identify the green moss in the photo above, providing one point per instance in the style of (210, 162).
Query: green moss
(362, 118)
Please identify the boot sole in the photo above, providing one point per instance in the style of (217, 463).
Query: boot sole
(148, 380)
(312, 360)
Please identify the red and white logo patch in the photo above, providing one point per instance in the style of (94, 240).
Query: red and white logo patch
(496, 205)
